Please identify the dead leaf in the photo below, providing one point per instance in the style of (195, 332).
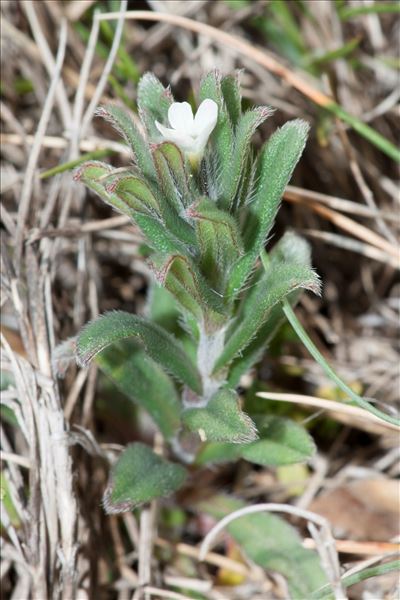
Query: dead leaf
(362, 510)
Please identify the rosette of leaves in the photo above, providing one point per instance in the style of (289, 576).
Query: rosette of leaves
(213, 307)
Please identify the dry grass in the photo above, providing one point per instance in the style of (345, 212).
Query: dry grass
(65, 258)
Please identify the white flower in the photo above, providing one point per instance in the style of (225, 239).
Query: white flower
(190, 133)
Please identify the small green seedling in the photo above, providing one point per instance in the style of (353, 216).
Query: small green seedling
(206, 205)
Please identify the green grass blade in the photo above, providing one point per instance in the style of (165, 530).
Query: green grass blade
(67, 166)
(316, 354)
(366, 131)
(348, 12)
(324, 593)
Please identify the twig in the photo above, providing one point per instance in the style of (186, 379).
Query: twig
(350, 226)
(15, 458)
(49, 60)
(271, 64)
(76, 8)
(362, 184)
(107, 67)
(340, 204)
(34, 155)
(57, 142)
(153, 591)
(147, 524)
(361, 548)
(341, 241)
(76, 131)
(125, 571)
(330, 405)
(212, 558)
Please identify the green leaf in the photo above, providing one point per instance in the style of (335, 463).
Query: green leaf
(142, 380)
(222, 139)
(95, 175)
(11, 513)
(218, 239)
(272, 288)
(246, 128)
(290, 248)
(178, 277)
(277, 162)
(123, 123)
(153, 101)
(221, 420)
(181, 277)
(162, 309)
(159, 237)
(139, 476)
(172, 204)
(273, 544)
(135, 193)
(100, 178)
(159, 344)
(282, 442)
(230, 88)
(172, 172)
(213, 453)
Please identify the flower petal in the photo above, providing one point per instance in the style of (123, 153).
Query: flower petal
(180, 138)
(180, 116)
(206, 117)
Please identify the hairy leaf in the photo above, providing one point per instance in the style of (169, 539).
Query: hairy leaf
(172, 204)
(282, 442)
(96, 175)
(153, 101)
(159, 344)
(222, 137)
(221, 420)
(273, 544)
(138, 476)
(277, 283)
(172, 172)
(231, 93)
(181, 277)
(135, 193)
(219, 241)
(213, 453)
(100, 178)
(123, 123)
(142, 380)
(277, 162)
(246, 128)
(276, 165)
(293, 249)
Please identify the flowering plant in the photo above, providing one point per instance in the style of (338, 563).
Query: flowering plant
(206, 206)
(190, 133)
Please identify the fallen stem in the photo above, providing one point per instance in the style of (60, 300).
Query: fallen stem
(269, 63)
